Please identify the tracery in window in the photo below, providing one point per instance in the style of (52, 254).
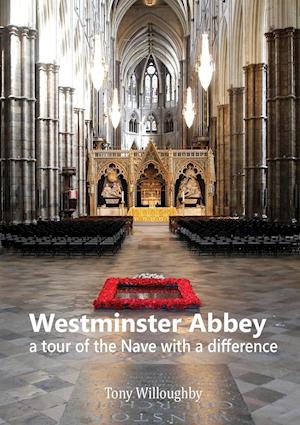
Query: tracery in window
(148, 89)
(154, 89)
(169, 124)
(132, 92)
(133, 124)
(168, 88)
(151, 83)
(151, 124)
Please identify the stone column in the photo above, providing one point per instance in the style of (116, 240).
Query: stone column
(283, 124)
(47, 175)
(81, 159)
(255, 139)
(92, 185)
(213, 133)
(223, 161)
(66, 140)
(171, 194)
(237, 136)
(213, 136)
(17, 132)
(131, 181)
(117, 132)
(88, 135)
(210, 179)
(66, 130)
(182, 128)
(93, 199)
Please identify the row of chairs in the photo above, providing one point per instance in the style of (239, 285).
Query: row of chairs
(88, 238)
(228, 227)
(204, 237)
(90, 228)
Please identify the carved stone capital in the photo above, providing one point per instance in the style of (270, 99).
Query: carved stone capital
(65, 90)
(19, 31)
(41, 66)
(235, 91)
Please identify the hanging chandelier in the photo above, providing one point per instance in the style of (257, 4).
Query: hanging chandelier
(115, 113)
(98, 69)
(189, 110)
(206, 68)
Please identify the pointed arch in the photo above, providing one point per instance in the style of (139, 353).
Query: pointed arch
(134, 123)
(151, 82)
(151, 123)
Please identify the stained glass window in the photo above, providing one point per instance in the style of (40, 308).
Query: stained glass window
(148, 89)
(151, 124)
(133, 124)
(168, 88)
(151, 83)
(132, 92)
(154, 89)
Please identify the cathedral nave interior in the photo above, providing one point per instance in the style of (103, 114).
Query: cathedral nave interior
(145, 142)
(83, 76)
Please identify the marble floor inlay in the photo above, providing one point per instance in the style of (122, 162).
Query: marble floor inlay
(36, 387)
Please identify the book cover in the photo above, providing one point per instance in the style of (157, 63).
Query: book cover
(149, 212)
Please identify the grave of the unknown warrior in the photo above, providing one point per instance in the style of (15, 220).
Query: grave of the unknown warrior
(139, 394)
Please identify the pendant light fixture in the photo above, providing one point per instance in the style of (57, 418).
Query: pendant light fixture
(206, 68)
(189, 110)
(98, 70)
(115, 113)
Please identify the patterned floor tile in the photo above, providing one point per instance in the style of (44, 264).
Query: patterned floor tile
(255, 378)
(264, 394)
(245, 287)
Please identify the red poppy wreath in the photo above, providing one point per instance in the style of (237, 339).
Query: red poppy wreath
(147, 293)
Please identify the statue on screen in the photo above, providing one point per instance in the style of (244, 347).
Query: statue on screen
(112, 188)
(189, 188)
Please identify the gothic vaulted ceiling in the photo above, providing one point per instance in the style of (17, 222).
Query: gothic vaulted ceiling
(159, 30)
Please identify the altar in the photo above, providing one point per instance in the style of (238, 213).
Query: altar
(152, 214)
(151, 184)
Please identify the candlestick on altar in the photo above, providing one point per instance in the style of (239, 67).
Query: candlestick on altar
(122, 197)
(183, 199)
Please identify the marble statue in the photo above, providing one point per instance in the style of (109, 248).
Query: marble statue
(112, 190)
(112, 186)
(190, 187)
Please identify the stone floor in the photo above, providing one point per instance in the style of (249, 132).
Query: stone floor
(34, 388)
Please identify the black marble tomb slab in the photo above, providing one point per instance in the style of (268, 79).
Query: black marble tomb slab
(221, 402)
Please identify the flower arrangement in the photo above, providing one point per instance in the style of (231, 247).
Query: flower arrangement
(107, 298)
